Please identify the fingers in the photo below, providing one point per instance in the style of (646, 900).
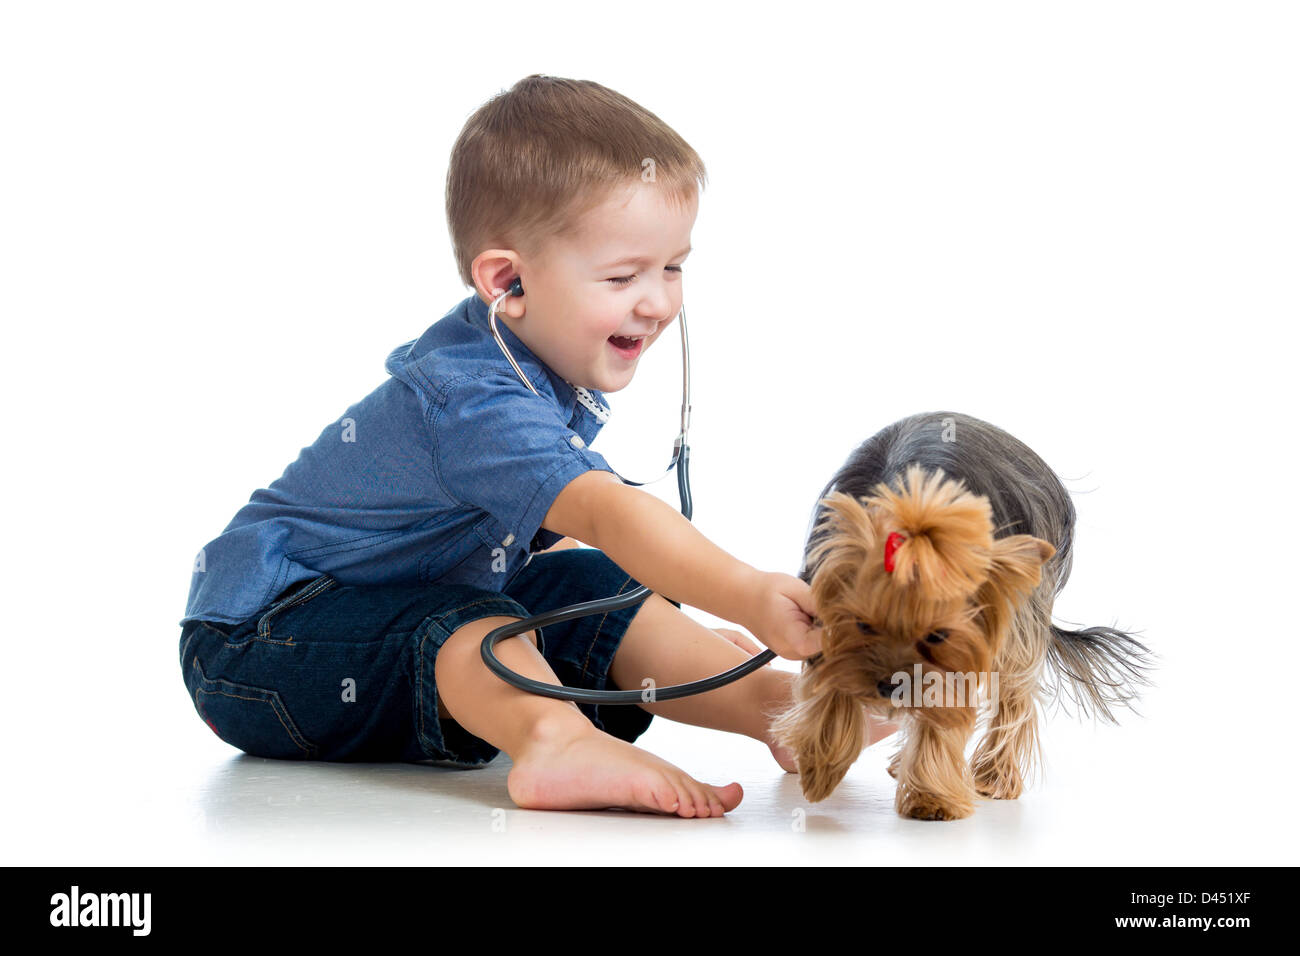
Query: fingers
(814, 644)
(801, 594)
(794, 654)
(740, 640)
(802, 643)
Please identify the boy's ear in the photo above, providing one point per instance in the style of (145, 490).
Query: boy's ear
(492, 270)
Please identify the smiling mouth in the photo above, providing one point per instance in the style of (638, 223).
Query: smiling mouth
(629, 346)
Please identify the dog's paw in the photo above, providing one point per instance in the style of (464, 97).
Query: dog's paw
(998, 788)
(926, 806)
(995, 783)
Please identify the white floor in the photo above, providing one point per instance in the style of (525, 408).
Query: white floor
(126, 778)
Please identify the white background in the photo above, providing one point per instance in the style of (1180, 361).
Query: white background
(1077, 221)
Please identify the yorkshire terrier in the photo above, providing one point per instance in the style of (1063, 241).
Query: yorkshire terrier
(934, 557)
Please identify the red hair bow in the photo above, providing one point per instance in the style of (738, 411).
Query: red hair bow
(892, 544)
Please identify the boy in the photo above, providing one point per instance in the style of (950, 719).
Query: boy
(339, 616)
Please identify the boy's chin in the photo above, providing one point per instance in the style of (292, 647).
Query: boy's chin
(608, 381)
(615, 383)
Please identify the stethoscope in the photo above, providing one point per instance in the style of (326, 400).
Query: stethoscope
(681, 459)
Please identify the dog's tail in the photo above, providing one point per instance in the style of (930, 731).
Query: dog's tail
(1098, 668)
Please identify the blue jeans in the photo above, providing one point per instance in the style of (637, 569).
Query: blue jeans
(335, 672)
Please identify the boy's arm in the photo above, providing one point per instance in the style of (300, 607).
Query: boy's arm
(653, 542)
(564, 544)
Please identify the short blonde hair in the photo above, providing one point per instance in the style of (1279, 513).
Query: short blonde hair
(534, 159)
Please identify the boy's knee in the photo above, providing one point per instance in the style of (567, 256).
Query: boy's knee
(472, 634)
(462, 648)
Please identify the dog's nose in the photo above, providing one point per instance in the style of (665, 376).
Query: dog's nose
(885, 687)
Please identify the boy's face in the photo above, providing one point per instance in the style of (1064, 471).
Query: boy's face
(577, 293)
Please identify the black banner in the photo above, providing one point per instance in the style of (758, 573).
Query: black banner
(904, 904)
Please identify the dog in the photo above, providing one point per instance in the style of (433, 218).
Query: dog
(934, 557)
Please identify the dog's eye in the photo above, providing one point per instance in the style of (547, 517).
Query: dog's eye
(866, 628)
(936, 637)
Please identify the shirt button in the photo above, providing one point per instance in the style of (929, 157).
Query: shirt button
(506, 543)
(577, 442)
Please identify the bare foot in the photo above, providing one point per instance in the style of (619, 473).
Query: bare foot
(784, 756)
(772, 699)
(878, 728)
(588, 769)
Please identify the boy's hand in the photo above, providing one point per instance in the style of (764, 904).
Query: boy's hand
(740, 640)
(782, 616)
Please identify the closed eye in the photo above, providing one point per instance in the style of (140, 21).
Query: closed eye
(624, 280)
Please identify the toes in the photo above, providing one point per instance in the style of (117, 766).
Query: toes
(708, 802)
(676, 799)
(685, 800)
(730, 795)
(687, 797)
(699, 801)
(663, 797)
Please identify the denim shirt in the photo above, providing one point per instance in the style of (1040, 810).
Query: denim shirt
(442, 474)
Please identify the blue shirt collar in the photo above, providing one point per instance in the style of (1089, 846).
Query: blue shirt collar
(543, 377)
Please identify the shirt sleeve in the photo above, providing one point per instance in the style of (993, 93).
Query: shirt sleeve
(499, 447)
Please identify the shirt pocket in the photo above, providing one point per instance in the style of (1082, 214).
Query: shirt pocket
(368, 559)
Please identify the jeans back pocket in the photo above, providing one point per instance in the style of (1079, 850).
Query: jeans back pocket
(228, 677)
(254, 719)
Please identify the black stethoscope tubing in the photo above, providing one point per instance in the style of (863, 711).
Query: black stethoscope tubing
(681, 459)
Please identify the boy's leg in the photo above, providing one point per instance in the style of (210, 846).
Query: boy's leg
(667, 646)
(487, 709)
(561, 760)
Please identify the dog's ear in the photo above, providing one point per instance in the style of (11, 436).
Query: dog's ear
(843, 538)
(847, 515)
(1016, 569)
(1017, 564)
